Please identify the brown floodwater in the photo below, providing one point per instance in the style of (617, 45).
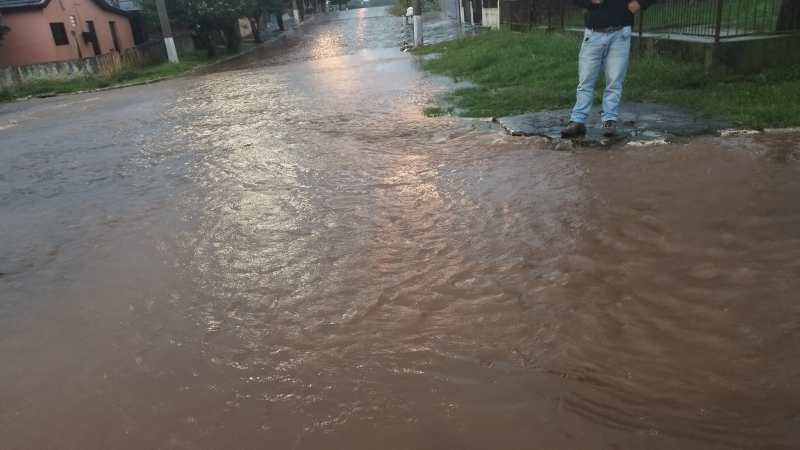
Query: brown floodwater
(292, 256)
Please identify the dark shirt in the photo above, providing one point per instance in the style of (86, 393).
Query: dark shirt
(611, 13)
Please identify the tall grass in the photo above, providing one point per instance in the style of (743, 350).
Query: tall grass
(514, 73)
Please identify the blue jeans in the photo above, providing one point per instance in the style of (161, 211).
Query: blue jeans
(611, 51)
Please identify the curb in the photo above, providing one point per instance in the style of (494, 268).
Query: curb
(782, 130)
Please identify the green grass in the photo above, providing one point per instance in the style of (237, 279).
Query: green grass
(436, 111)
(513, 73)
(768, 99)
(185, 63)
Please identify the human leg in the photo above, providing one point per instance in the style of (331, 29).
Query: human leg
(590, 60)
(616, 67)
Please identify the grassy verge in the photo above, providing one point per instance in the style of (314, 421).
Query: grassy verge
(131, 76)
(514, 73)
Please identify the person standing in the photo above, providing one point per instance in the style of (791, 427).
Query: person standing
(607, 44)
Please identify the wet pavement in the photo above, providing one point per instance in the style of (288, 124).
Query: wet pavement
(639, 124)
(284, 252)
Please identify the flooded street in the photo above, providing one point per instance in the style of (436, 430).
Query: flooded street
(283, 252)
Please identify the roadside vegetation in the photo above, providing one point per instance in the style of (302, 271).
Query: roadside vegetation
(137, 75)
(512, 73)
(207, 17)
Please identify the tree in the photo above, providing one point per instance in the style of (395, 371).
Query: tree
(259, 8)
(204, 17)
(277, 7)
(789, 16)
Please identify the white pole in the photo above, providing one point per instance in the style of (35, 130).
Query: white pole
(472, 12)
(417, 23)
(417, 30)
(172, 53)
(169, 43)
(296, 13)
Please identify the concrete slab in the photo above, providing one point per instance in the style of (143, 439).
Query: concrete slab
(638, 124)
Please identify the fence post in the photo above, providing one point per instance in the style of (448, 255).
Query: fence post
(641, 22)
(718, 25)
(549, 13)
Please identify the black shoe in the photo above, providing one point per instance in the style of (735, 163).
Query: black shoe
(573, 129)
(609, 128)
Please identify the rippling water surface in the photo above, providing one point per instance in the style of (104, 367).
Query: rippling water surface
(285, 253)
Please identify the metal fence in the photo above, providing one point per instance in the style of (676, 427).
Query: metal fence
(516, 14)
(719, 19)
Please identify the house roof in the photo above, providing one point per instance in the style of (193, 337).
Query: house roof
(22, 5)
(8, 4)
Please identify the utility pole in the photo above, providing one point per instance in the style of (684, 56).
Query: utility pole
(417, 23)
(172, 54)
(296, 13)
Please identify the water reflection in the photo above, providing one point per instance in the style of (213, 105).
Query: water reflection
(398, 276)
(783, 148)
(326, 45)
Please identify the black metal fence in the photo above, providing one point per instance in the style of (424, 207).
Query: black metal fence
(516, 14)
(719, 19)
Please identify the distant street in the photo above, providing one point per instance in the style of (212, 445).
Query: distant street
(283, 252)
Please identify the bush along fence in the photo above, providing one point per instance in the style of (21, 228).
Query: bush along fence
(103, 66)
(718, 19)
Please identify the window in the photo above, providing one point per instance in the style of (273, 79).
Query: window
(72, 21)
(59, 33)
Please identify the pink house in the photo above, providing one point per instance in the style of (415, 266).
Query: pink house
(58, 30)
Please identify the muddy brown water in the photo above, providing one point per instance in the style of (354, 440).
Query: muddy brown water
(291, 256)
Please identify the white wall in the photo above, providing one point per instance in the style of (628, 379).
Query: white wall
(491, 18)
